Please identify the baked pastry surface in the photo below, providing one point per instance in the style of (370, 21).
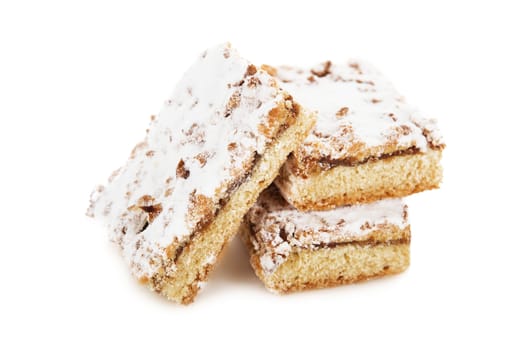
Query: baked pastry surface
(218, 141)
(368, 143)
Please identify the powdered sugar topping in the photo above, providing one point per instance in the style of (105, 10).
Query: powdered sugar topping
(361, 115)
(200, 146)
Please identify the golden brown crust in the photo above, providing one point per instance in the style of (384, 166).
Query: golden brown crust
(360, 197)
(392, 177)
(342, 280)
(327, 283)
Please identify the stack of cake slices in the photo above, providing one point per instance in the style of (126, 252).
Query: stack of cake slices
(206, 170)
(334, 213)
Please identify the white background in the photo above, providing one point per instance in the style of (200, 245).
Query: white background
(78, 81)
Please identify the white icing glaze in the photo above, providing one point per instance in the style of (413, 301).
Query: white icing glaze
(377, 115)
(278, 228)
(193, 121)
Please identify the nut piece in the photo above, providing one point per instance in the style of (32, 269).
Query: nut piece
(182, 172)
(324, 72)
(342, 112)
(202, 158)
(233, 102)
(147, 204)
(269, 69)
(251, 70)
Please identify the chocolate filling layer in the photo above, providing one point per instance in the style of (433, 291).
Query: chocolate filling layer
(368, 242)
(311, 165)
(350, 161)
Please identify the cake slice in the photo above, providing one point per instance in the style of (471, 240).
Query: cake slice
(215, 145)
(368, 144)
(292, 250)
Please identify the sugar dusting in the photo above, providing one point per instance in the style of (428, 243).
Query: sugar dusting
(361, 114)
(202, 143)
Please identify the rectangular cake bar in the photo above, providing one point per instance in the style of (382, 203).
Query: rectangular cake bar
(368, 144)
(293, 250)
(218, 141)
